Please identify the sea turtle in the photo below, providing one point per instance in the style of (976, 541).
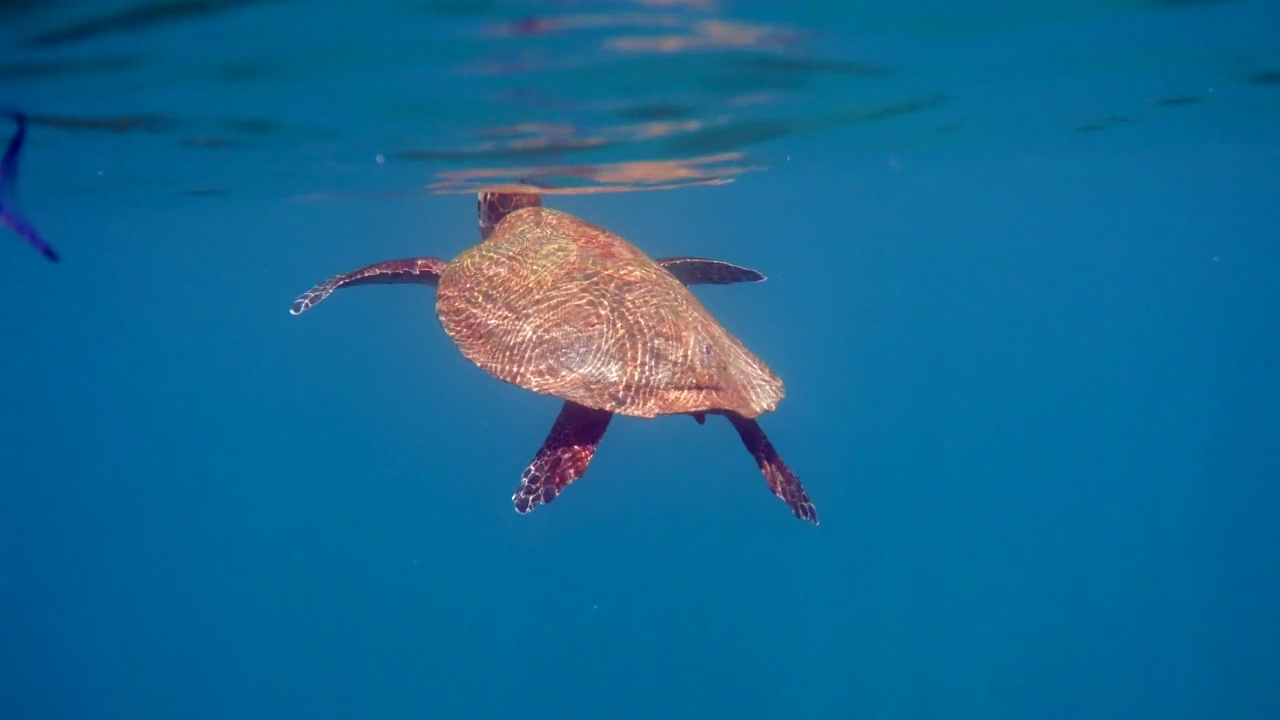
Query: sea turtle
(9, 214)
(556, 305)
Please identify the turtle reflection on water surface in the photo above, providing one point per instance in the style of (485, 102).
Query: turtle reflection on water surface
(562, 307)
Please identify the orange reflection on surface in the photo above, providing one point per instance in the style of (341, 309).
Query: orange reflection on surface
(542, 138)
(695, 4)
(633, 176)
(565, 23)
(707, 35)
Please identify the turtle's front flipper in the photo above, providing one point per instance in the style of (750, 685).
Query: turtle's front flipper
(564, 455)
(422, 271)
(782, 481)
(703, 271)
(8, 190)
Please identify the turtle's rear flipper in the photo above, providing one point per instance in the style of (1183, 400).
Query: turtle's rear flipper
(8, 190)
(422, 271)
(704, 271)
(564, 455)
(782, 481)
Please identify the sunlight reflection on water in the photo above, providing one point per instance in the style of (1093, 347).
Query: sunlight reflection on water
(646, 95)
(280, 98)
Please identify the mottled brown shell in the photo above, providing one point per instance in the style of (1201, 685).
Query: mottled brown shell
(559, 306)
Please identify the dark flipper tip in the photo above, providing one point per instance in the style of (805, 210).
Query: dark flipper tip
(549, 473)
(793, 494)
(781, 480)
(312, 297)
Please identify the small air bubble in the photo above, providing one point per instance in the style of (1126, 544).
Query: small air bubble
(380, 158)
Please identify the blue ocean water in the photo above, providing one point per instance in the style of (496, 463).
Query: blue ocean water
(1022, 271)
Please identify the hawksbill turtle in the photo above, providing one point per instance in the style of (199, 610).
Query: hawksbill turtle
(559, 306)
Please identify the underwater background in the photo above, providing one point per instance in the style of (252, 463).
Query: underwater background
(1021, 260)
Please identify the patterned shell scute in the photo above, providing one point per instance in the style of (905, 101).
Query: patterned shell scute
(559, 306)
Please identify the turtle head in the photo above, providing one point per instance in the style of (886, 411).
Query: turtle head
(492, 206)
